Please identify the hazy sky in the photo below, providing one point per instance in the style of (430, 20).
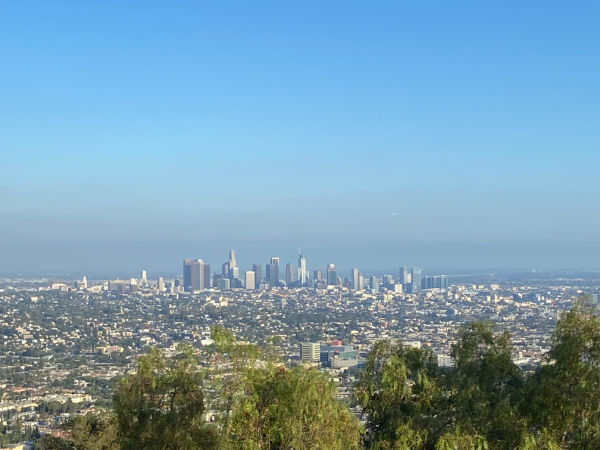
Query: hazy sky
(370, 134)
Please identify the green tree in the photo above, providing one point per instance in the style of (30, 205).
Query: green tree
(563, 396)
(161, 406)
(485, 385)
(458, 439)
(53, 443)
(93, 432)
(400, 395)
(295, 408)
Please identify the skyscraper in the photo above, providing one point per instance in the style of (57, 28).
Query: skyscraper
(206, 279)
(302, 273)
(250, 280)
(160, 284)
(415, 276)
(193, 274)
(331, 275)
(273, 271)
(144, 279)
(232, 261)
(290, 274)
(257, 269)
(403, 278)
(233, 272)
(388, 281)
(317, 275)
(374, 285)
(355, 280)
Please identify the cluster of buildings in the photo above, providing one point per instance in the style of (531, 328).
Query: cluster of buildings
(197, 277)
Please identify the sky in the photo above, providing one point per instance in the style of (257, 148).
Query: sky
(369, 134)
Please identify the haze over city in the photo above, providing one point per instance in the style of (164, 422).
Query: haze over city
(458, 135)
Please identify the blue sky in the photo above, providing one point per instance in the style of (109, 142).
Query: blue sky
(444, 134)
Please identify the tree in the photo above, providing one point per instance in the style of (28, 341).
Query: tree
(563, 396)
(53, 443)
(458, 439)
(295, 408)
(161, 406)
(485, 385)
(93, 432)
(400, 395)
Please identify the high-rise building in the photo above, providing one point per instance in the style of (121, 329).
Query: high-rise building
(302, 272)
(160, 284)
(318, 275)
(374, 284)
(250, 280)
(403, 275)
(193, 274)
(415, 275)
(290, 274)
(224, 284)
(443, 282)
(206, 277)
(355, 280)
(361, 281)
(388, 281)
(144, 279)
(257, 269)
(332, 277)
(225, 269)
(310, 351)
(232, 261)
(273, 271)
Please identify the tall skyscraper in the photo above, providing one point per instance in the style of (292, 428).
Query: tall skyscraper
(355, 280)
(143, 279)
(388, 281)
(250, 280)
(443, 282)
(374, 285)
(415, 276)
(232, 261)
(225, 269)
(403, 276)
(317, 275)
(331, 275)
(273, 271)
(160, 284)
(193, 274)
(290, 274)
(302, 273)
(206, 278)
(257, 269)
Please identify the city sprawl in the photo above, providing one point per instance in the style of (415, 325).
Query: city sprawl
(66, 343)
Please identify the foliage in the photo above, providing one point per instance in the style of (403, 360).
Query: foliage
(161, 406)
(457, 439)
(291, 408)
(93, 432)
(563, 395)
(53, 443)
(399, 394)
